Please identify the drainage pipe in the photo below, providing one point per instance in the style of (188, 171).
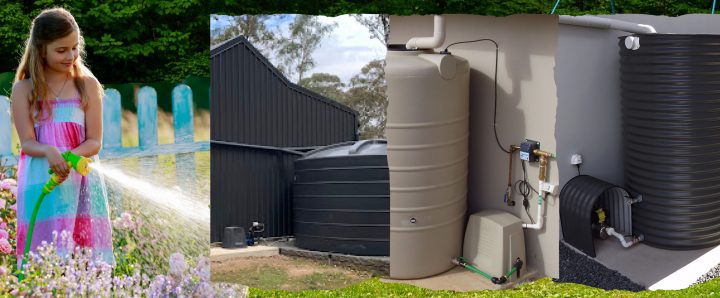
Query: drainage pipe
(610, 231)
(431, 42)
(603, 23)
(544, 156)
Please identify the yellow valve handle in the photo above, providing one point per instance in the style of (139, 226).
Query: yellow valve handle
(601, 215)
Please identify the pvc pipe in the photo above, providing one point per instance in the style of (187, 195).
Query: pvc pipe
(540, 214)
(429, 42)
(612, 232)
(603, 23)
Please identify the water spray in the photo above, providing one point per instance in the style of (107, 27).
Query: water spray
(77, 162)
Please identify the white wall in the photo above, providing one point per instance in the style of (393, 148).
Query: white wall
(527, 104)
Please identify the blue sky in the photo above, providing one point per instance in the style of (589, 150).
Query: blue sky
(342, 53)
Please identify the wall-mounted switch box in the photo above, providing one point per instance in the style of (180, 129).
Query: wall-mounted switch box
(526, 150)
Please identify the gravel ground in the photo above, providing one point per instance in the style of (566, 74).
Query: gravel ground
(713, 273)
(578, 268)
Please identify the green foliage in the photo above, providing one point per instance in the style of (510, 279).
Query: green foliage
(329, 85)
(134, 41)
(14, 26)
(486, 7)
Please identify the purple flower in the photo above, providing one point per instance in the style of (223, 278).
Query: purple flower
(2, 204)
(3, 234)
(177, 264)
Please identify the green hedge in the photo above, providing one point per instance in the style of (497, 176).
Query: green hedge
(487, 7)
(199, 85)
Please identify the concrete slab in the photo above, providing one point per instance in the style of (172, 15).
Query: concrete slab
(461, 280)
(647, 265)
(220, 254)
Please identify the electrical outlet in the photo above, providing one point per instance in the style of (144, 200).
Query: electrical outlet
(576, 159)
(547, 187)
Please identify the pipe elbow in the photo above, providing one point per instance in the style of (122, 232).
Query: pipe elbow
(429, 42)
(536, 226)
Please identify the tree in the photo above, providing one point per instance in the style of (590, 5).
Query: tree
(367, 96)
(378, 25)
(253, 27)
(126, 41)
(290, 51)
(294, 55)
(325, 84)
(14, 27)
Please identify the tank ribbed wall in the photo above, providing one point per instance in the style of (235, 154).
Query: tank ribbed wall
(671, 126)
(341, 199)
(427, 131)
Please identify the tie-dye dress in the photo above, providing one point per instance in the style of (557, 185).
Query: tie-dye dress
(79, 205)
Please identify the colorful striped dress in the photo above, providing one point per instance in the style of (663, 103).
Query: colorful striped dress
(79, 205)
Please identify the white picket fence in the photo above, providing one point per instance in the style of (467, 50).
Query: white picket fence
(182, 109)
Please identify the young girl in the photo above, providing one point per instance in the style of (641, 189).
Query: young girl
(56, 106)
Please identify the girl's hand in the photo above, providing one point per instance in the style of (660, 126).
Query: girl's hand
(56, 161)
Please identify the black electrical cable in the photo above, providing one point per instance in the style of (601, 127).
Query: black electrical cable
(497, 48)
(578, 168)
(524, 189)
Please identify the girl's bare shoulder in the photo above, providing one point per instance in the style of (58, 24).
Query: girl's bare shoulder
(91, 83)
(21, 89)
(90, 80)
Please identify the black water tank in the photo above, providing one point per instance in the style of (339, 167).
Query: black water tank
(341, 199)
(671, 130)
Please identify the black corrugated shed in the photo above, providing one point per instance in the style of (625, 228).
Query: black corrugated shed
(259, 121)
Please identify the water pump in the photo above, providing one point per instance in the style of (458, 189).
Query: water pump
(77, 162)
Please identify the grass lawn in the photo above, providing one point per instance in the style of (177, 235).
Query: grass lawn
(541, 288)
(287, 273)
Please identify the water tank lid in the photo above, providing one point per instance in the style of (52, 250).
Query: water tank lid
(359, 148)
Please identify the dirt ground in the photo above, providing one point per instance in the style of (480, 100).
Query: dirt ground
(287, 273)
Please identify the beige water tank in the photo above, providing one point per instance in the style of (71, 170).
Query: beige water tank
(427, 132)
(494, 239)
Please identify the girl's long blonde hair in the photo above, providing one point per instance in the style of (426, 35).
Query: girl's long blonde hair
(48, 26)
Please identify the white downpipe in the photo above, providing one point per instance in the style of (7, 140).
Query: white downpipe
(603, 23)
(429, 42)
(540, 215)
(626, 244)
